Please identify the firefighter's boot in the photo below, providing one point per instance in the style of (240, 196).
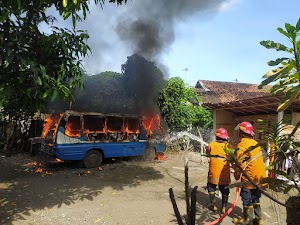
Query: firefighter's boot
(212, 200)
(247, 217)
(258, 214)
(224, 203)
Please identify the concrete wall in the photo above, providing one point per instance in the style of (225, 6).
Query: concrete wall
(225, 120)
(261, 123)
(295, 118)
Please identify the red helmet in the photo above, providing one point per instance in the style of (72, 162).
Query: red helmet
(222, 133)
(246, 127)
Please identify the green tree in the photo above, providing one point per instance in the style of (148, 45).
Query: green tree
(287, 75)
(97, 90)
(35, 67)
(177, 110)
(203, 117)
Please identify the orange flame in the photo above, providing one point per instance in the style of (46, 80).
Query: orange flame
(51, 124)
(72, 132)
(73, 128)
(151, 123)
(58, 160)
(160, 156)
(128, 131)
(48, 173)
(34, 163)
(39, 170)
(47, 126)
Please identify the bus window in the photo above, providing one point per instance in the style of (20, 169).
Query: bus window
(115, 128)
(73, 128)
(132, 129)
(94, 127)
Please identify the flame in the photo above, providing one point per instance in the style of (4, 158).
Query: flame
(51, 124)
(160, 156)
(151, 123)
(58, 160)
(71, 132)
(130, 126)
(31, 164)
(48, 173)
(47, 126)
(128, 131)
(39, 170)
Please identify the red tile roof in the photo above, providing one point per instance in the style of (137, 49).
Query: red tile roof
(215, 92)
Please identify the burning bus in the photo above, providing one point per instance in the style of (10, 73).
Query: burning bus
(91, 137)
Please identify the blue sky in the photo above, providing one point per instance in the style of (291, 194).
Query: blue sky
(220, 43)
(226, 47)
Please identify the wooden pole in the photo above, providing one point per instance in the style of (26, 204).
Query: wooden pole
(202, 147)
(193, 206)
(176, 211)
(187, 196)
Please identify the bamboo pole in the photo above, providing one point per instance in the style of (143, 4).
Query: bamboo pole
(187, 196)
(176, 211)
(193, 206)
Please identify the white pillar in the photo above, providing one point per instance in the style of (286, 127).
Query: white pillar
(280, 116)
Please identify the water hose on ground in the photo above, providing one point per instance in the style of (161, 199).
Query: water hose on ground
(237, 193)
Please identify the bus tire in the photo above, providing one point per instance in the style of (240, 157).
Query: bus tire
(149, 154)
(92, 159)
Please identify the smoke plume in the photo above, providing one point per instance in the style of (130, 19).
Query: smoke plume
(148, 26)
(143, 27)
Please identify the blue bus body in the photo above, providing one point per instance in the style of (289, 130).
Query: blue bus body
(92, 137)
(108, 150)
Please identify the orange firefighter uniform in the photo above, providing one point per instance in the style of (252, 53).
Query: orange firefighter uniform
(251, 162)
(219, 169)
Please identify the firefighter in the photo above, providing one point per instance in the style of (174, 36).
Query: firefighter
(219, 169)
(253, 165)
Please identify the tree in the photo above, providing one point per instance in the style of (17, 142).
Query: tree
(203, 117)
(287, 75)
(177, 110)
(35, 67)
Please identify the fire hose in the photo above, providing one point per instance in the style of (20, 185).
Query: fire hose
(237, 192)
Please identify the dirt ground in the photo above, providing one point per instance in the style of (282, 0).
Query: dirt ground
(38, 190)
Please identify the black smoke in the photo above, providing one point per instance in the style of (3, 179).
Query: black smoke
(134, 91)
(143, 30)
(148, 26)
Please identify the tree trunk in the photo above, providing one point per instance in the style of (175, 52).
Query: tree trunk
(9, 141)
(293, 212)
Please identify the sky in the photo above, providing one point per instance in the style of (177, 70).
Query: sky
(192, 39)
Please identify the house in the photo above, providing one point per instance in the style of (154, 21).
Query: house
(234, 102)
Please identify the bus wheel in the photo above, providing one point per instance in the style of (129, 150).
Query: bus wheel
(149, 154)
(92, 159)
